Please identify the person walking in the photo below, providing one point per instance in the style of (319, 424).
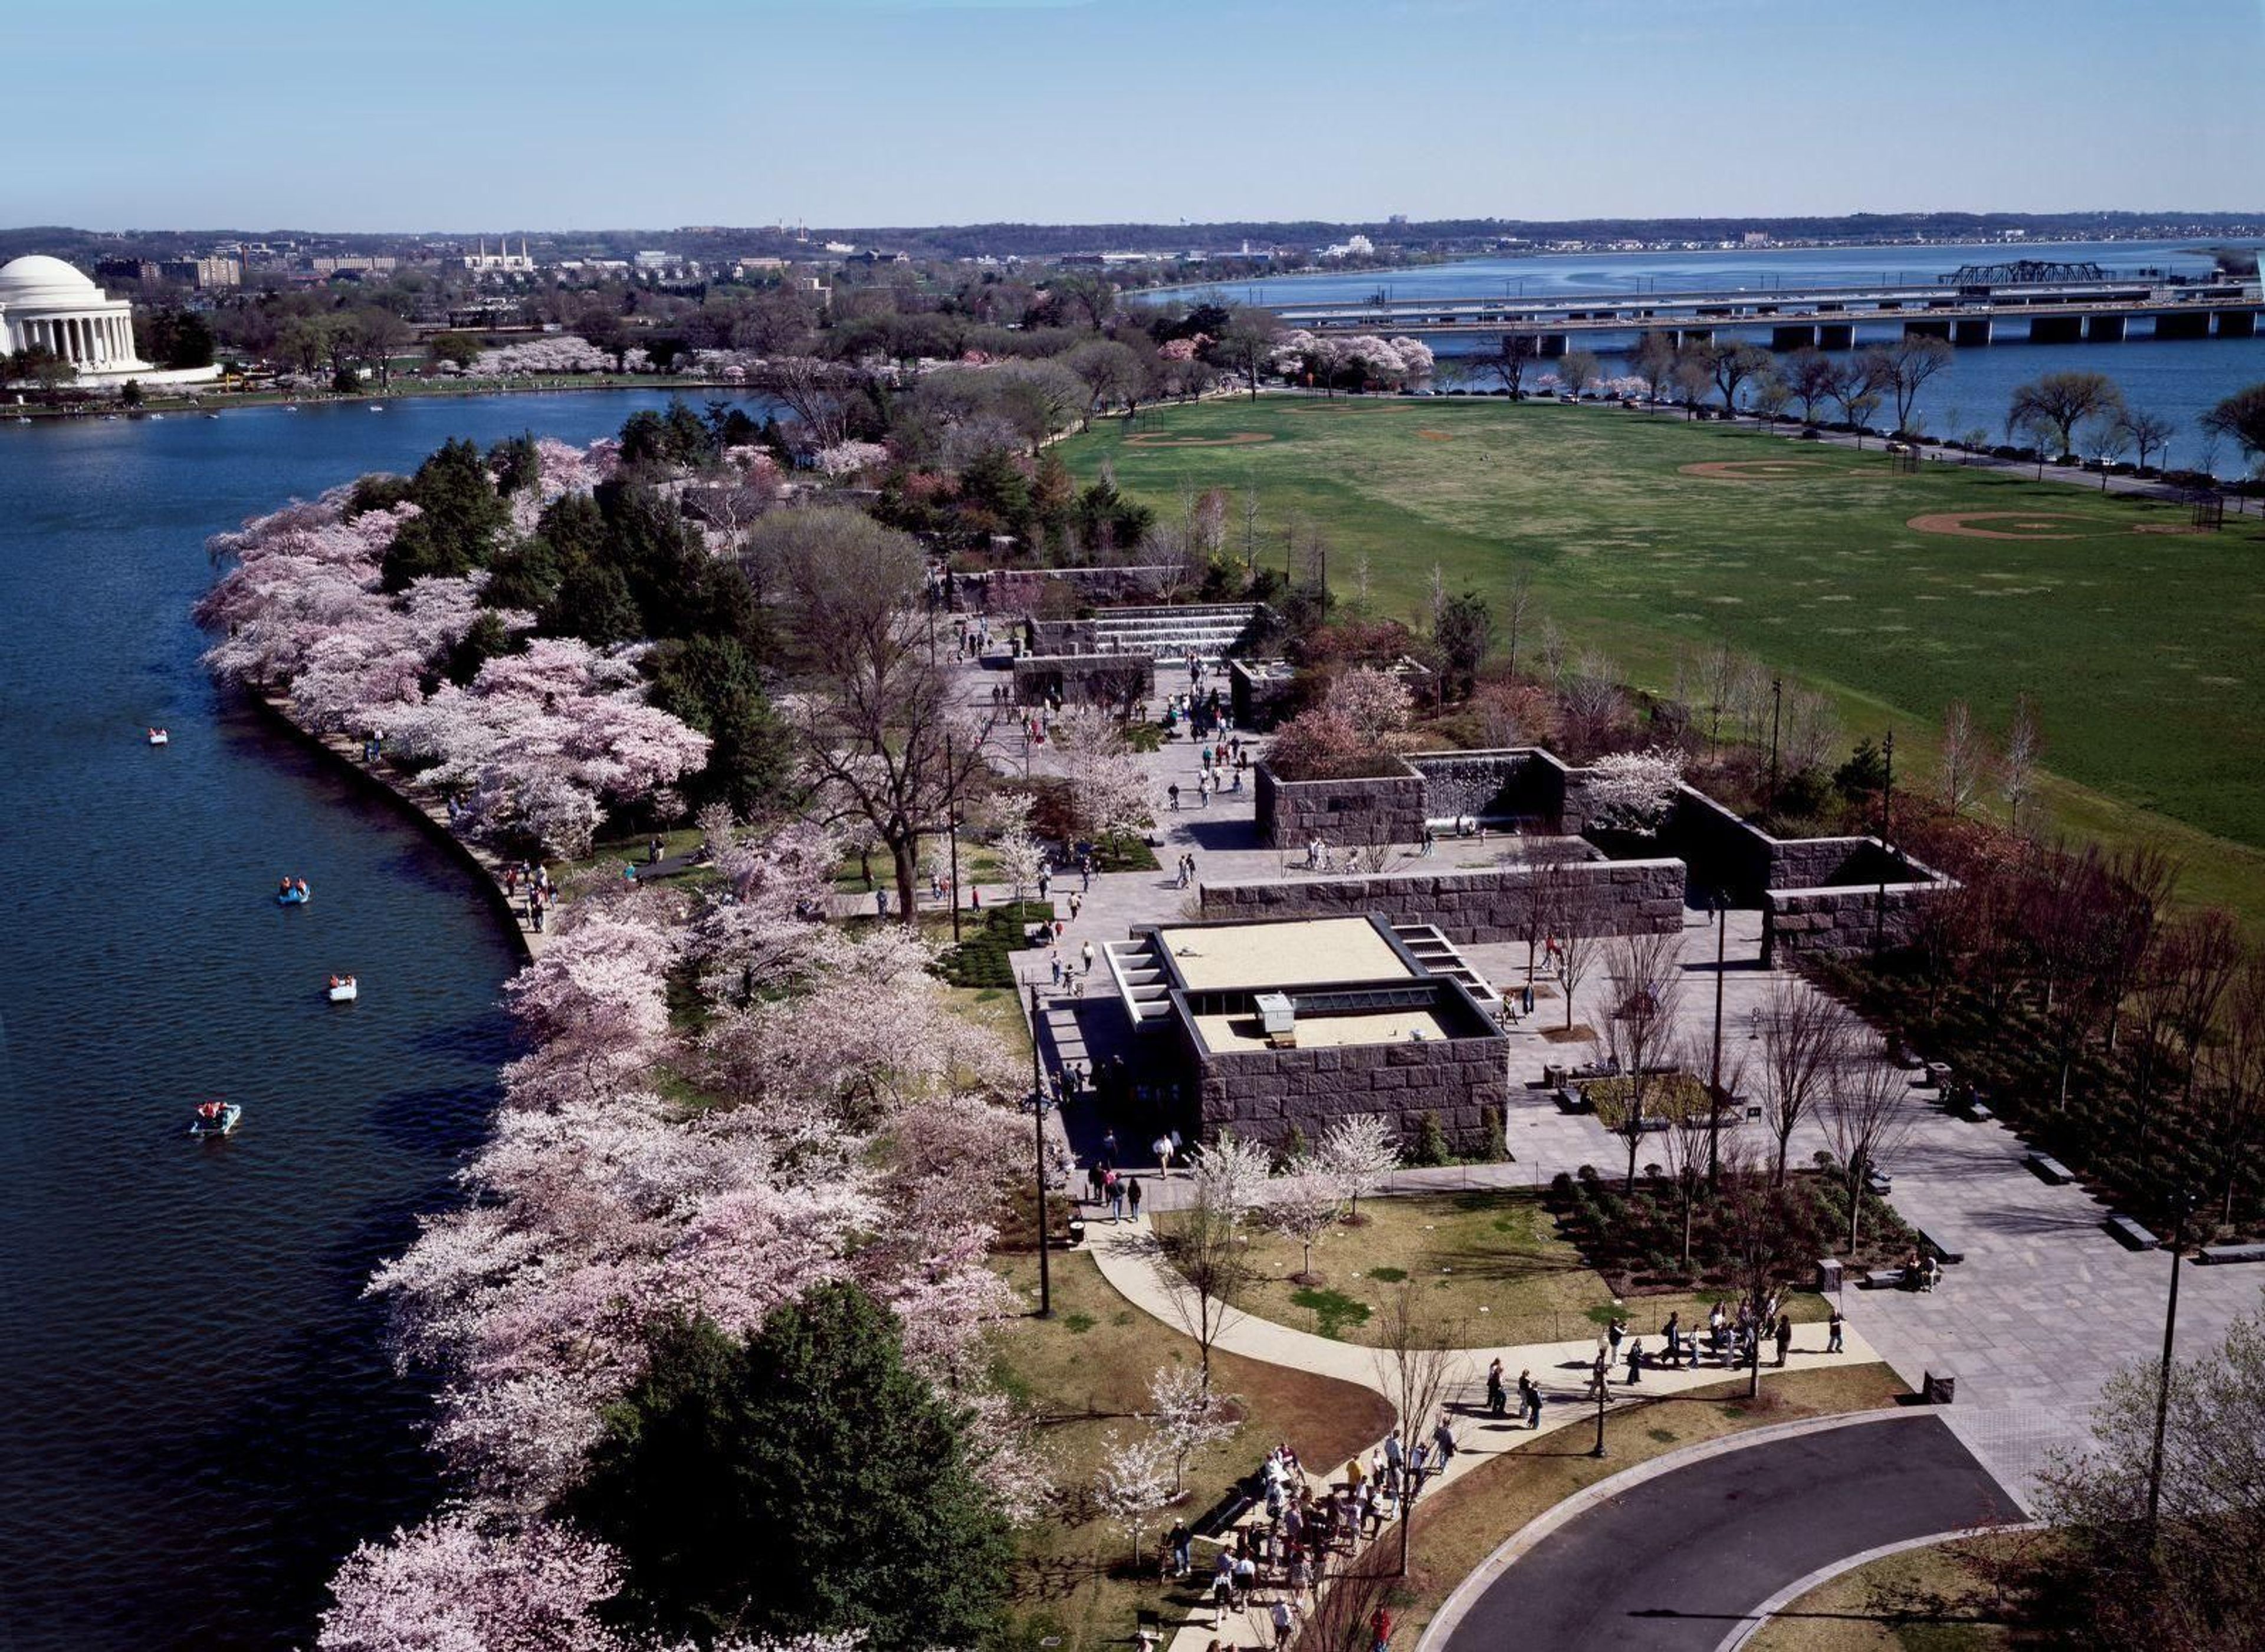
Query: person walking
(1784, 1337)
(1614, 1332)
(1674, 1331)
(1283, 1623)
(1443, 1444)
(1116, 1197)
(1636, 1362)
(1529, 1400)
(1132, 1195)
(1380, 1630)
(1085, 953)
(1497, 1397)
(1832, 1331)
(1172, 791)
(1178, 1542)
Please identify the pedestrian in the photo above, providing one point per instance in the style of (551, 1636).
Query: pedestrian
(1784, 1337)
(1045, 882)
(1497, 1397)
(1614, 1332)
(880, 899)
(1076, 905)
(1395, 1454)
(1176, 1544)
(1675, 1342)
(1173, 792)
(1283, 1623)
(1109, 1148)
(1380, 1630)
(1529, 1399)
(1832, 1331)
(1116, 1197)
(1054, 958)
(1085, 870)
(1059, 925)
(1132, 1195)
(1636, 1362)
(1443, 1441)
(1086, 952)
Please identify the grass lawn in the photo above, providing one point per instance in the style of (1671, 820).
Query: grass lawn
(1087, 1372)
(2136, 639)
(1922, 1600)
(1498, 1271)
(1463, 1523)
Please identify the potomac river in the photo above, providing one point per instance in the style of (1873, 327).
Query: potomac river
(200, 1418)
(2180, 379)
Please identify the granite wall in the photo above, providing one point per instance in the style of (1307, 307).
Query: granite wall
(1468, 907)
(1383, 809)
(1084, 679)
(1262, 1094)
(1801, 923)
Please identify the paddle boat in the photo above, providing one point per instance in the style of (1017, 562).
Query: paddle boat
(158, 737)
(215, 1118)
(344, 990)
(292, 892)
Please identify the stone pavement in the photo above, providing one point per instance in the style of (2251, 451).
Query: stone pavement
(1125, 1254)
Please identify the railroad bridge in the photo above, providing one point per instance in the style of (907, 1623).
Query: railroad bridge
(2049, 303)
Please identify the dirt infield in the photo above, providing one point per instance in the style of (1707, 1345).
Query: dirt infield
(1750, 470)
(2016, 525)
(1158, 438)
(1434, 436)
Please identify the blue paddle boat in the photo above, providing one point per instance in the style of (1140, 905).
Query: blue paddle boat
(291, 892)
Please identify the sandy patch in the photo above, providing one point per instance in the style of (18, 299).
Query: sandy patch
(1435, 435)
(1999, 524)
(1750, 470)
(1160, 438)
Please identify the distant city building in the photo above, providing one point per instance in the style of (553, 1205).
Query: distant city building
(502, 261)
(1756, 238)
(1359, 246)
(204, 273)
(355, 264)
(654, 260)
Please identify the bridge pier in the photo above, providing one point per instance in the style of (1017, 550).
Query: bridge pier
(1836, 335)
(1784, 338)
(2056, 330)
(2105, 328)
(1971, 332)
(2237, 323)
(1680, 336)
(1926, 329)
(2183, 325)
(1556, 344)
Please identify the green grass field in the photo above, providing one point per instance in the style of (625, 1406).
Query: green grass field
(2138, 639)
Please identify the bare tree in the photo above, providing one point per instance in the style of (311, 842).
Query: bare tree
(1647, 978)
(1517, 603)
(1573, 918)
(1763, 1231)
(1813, 377)
(1653, 360)
(1249, 344)
(881, 736)
(1508, 366)
(1206, 1246)
(2239, 1105)
(1577, 370)
(1867, 1112)
(818, 393)
(1902, 368)
(1731, 365)
(1590, 692)
(1858, 392)
(2059, 402)
(2017, 762)
(1959, 760)
(1414, 1364)
(2147, 432)
(1803, 1037)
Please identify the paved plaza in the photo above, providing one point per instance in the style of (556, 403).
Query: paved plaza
(2045, 1306)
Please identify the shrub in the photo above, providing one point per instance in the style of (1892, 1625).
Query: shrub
(1431, 1143)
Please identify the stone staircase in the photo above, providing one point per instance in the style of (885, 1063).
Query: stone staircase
(1437, 955)
(1139, 976)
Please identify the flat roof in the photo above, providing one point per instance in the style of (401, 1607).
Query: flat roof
(1224, 1033)
(1295, 952)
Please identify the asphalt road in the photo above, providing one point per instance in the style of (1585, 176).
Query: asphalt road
(1676, 1561)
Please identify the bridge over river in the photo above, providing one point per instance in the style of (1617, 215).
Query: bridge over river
(2088, 306)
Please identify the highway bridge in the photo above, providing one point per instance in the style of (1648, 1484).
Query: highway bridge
(2057, 311)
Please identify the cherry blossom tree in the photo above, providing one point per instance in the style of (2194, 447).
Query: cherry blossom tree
(1633, 791)
(1357, 1154)
(1188, 1415)
(1303, 1204)
(451, 1586)
(1133, 1484)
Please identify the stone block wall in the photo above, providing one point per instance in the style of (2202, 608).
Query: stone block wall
(1469, 908)
(1262, 1094)
(1384, 808)
(1803, 923)
(1084, 679)
(1526, 784)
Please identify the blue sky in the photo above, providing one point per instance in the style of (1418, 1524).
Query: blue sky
(483, 114)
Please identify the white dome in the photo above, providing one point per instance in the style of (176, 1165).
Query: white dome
(41, 280)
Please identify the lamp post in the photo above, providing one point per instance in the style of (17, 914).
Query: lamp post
(1038, 1146)
(1886, 818)
(1715, 1097)
(951, 830)
(1602, 1371)
(2182, 1204)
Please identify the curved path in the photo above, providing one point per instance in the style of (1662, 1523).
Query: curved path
(1679, 1560)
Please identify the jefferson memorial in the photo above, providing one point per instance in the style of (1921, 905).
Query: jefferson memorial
(46, 304)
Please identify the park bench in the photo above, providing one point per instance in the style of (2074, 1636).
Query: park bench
(1224, 1513)
(2128, 1230)
(1571, 1101)
(2231, 1253)
(1978, 1111)
(2050, 1170)
(1944, 1250)
(1883, 1279)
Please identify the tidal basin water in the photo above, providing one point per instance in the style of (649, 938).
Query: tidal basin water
(200, 1416)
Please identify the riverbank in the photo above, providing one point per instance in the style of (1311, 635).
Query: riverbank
(217, 403)
(421, 802)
